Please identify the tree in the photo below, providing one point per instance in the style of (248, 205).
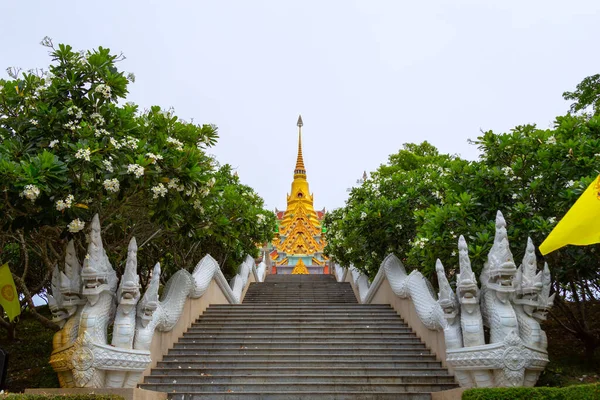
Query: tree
(586, 94)
(69, 148)
(418, 204)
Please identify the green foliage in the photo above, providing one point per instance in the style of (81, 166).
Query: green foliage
(578, 392)
(587, 94)
(418, 204)
(71, 147)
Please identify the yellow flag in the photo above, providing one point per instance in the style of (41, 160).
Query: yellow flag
(580, 225)
(8, 294)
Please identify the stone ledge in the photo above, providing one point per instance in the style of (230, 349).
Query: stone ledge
(452, 394)
(127, 394)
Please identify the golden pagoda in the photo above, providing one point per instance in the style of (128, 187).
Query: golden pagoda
(298, 239)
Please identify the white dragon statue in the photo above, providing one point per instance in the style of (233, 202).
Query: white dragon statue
(511, 304)
(86, 301)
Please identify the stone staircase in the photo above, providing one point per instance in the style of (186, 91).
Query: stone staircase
(299, 337)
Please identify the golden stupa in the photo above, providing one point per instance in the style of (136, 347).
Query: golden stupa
(299, 237)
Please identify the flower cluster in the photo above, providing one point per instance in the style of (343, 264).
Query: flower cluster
(111, 185)
(75, 112)
(153, 157)
(174, 184)
(76, 225)
(135, 169)
(158, 191)
(97, 119)
(66, 203)
(178, 145)
(101, 132)
(83, 154)
(260, 218)
(104, 90)
(31, 192)
(107, 165)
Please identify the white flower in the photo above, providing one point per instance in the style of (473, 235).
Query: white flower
(552, 220)
(75, 111)
(570, 184)
(153, 157)
(34, 122)
(76, 225)
(159, 190)
(399, 226)
(71, 126)
(363, 215)
(507, 171)
(260, 218)
(83, 154)
(174, 184)
(53, 143)
(453, 253)
(211, 182)
(31, 192)
(178, 145)
(97, 119)
(198, 206)
(551, 140)
(111, 185)
(130, 142)
(66, 203)
(104, 90)
(115, 143)
(60, 205)
(135, 169)
(514, 196)
(107, 165)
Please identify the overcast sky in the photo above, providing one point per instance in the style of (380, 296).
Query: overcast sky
(367, 76)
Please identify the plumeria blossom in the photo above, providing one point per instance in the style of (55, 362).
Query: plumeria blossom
(66, 203)
(111, 185)
(174, 184)
(158, 191)
(76, 225)
(135, 169)
(31, 192)
(103, 90)
(260, 218)
(551, 140)
(154, 157)
(107, 165)
(101, 132)
(178, 145)
(83, 154)
(53, 143)
(97, 119)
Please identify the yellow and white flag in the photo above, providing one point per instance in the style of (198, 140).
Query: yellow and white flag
(580, 225)
(8, 293)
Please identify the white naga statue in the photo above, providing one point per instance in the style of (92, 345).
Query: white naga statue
(511, 304)
(86, 301)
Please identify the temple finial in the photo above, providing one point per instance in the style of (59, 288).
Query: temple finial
(300, 169)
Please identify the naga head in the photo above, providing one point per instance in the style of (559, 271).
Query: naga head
(545, 301)
(446, 297)
(499, 270)
(466, 282)
(528, 284)
(55, 300)
(70, 281)
(149, 302)
(97, 275)
(128, 293)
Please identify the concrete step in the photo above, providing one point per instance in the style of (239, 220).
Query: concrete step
(287, 395)
(379, 379)
(302, 357)
(347, 371)
(296, 387)
(323, 306)
(262, 344)
(225, 337)
(332, 364)
(297, 318)
(248, 351)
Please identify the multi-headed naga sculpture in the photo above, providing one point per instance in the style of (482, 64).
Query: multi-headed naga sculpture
(86, 301)
(511, 304)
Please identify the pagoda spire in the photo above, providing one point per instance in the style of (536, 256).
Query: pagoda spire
(300, 169)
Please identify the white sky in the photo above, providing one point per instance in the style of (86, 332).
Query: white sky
(367, 76)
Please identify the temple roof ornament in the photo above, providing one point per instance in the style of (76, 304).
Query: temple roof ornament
(300, 268)
(299, 232)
